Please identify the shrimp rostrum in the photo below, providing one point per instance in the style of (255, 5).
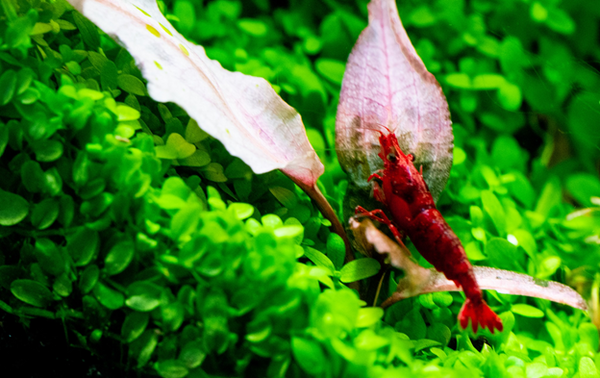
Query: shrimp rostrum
(404, 192)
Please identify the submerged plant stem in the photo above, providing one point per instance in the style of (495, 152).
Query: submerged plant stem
(327, 211)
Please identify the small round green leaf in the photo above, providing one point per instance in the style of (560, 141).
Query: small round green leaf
(527, 310)
(81, 168)
(49, 257)
(587, 368)
(62, 285)
(52, 182)
(4, 131)
(172, 316)
(131, 84)
(285, 196)
(510, 96)
(560, 21)
(73, 67)
(45, 213)
(193, 132)
(359, 269)
(41, 28)
(583, 186)
(8, 84)
(171, 369)
(311, 45)
(134, 325)
(119, 257)
(488, 81)
(439, 332)
(442, 298)
(413, 325)
(255, 28)
(588, 334)
(47, 150)
(67, 210)
(319, 259)
(336, 250)
(83, 246)
(96, 335)
(183, 148)
(241, 210)
(126, 113)
(143, 347)
(422, 16)
(494, 209)
(214, 172)
(309, 355)
(368, 316)
(272, 221)
(108, 297)
(24, 78)
(31, 292)
(186, 13)
(503, 254)
(192, 354)
(538, 12)
(30, 96)
(13, 208)
(238, 169)
(89, 278)
(290, 231)
(458, 80)
(331, 69)
(143, 296)
(199, 158)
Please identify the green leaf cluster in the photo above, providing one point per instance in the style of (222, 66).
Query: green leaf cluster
(109, 208)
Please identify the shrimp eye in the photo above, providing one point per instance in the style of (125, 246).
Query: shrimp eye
(411, 157)
(392, 158)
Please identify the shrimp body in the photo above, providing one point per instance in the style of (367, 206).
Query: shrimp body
(405, 193)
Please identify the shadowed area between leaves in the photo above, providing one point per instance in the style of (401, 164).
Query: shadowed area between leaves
(40, 350)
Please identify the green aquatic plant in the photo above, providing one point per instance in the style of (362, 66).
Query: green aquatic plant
(120, 218)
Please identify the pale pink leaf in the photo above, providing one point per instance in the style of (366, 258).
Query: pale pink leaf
(419, 280)
(386, 83)
(241, 111)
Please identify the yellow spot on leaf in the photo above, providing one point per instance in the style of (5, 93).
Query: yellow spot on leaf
(165, 29)
(153, 31)
(143, 11)
(158, 65)
(185, 51)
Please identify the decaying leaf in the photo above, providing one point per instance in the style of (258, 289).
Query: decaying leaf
(241, 111)
(386, 83)
(419, 280)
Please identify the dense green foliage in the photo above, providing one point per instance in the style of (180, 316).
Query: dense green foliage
(122, 219)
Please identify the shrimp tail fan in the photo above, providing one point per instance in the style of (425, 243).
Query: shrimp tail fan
(480, 314)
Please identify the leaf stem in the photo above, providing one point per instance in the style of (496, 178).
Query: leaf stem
(327, 211)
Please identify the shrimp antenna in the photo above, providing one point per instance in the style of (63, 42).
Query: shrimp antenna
(371, 128)
(385, 127)
(379, 131)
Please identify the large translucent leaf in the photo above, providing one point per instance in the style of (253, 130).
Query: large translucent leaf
(386, 83)
(241, 111)
(418, 280)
